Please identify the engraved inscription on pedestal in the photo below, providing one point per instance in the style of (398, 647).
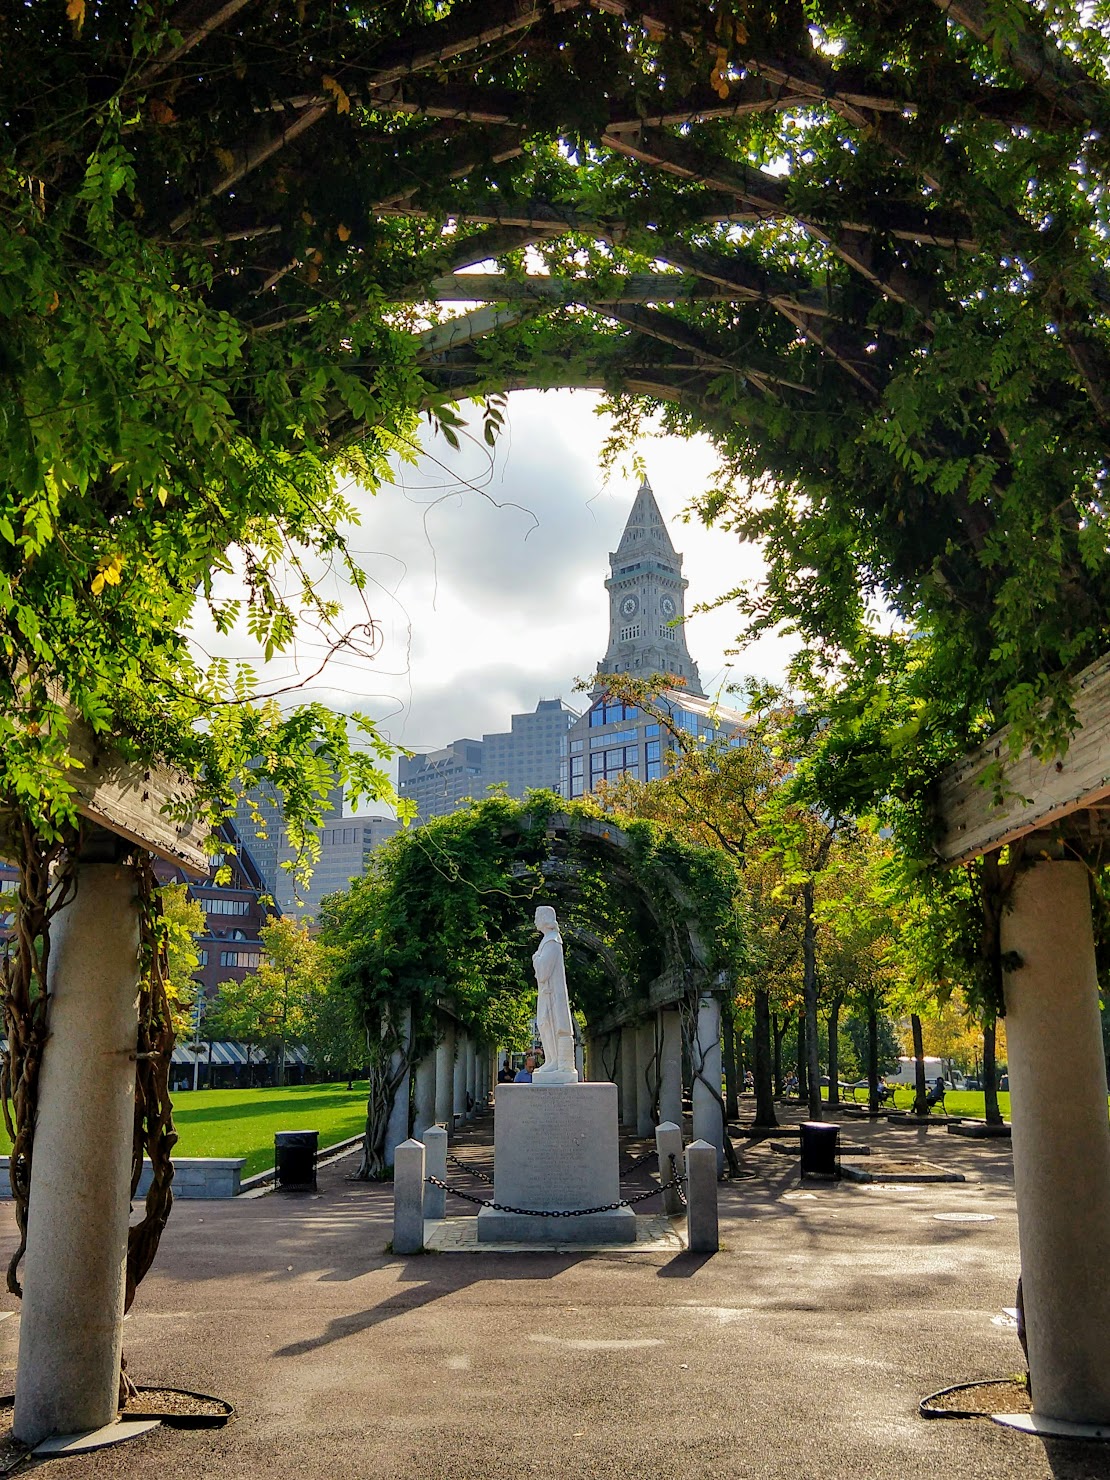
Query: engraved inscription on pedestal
(555, 1149)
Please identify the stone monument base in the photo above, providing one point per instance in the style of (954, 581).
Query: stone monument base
(555, 1150)
(618, 1227)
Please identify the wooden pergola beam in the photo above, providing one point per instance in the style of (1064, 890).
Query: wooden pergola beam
(974, 818)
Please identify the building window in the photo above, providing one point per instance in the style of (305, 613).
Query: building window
(667, 633)
(248, 959)
(629, 633)
(608, 765)
(607, 713)
(202, 958)
(654, 759)
(226, 906)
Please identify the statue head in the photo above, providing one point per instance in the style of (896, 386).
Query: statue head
(545, 918)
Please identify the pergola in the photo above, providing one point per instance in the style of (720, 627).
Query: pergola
(868, 256)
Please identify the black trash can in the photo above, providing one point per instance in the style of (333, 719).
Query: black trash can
(295, 1158)
(819, 1148)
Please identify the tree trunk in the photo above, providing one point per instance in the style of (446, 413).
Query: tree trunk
(990, 1075)
(813, 1061)
(802, 1066)
(741, 1063)
(778, 1031)
(761, 1062)
(921, 1089)
(728, 1036)
(834, 1051)
(873, 1060)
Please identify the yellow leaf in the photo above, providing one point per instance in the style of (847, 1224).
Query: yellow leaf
(343, 233)
(161, 112)
(75, 10)
(162, 497)
(97, 584)
(342, 101)
(308, 218)
(53, 304)
(225, 157)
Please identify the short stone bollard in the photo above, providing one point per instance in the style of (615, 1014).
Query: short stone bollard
(668, 1143)
(702, 1235)
(435, 1165)
(408, 1198)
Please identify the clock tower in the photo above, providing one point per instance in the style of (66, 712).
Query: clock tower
(647, 600)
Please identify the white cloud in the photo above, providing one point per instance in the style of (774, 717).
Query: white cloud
(486, 575)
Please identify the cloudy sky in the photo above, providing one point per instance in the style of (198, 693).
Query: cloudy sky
(486, 575)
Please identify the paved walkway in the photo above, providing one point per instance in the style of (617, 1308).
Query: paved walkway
(800, 1351)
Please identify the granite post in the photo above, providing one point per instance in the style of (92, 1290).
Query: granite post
(458, 1080)
(71, 1327)
(408, 1198)
(397, 1126)
(445, 1072)
(708, 1121)
(702, 1236)
(424, 1095)
(435, 1165)
(470, 1100)
(668, 1144)
(629, 1095)
(647, 1071)
(1061, 1140)
(670, 1066)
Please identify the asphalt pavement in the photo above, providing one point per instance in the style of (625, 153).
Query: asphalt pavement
(800, 1351)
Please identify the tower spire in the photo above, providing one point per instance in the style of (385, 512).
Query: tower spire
(647, 599)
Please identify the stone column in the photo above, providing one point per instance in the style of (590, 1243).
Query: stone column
(424, 1095)
(647, 1071)
(397, 1126)
(458, 1093)
(708, 1125)
(470, 1096)
(628, 1093)
(71, 1331)
(668, 1147)
(670, 1066)
(435, 1165)
(445, 1076)
(1061, 1141)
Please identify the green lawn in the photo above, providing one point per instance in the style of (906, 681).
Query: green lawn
(967, 1102)
(242, 1122)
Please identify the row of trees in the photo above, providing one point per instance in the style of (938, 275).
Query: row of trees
(840, 925)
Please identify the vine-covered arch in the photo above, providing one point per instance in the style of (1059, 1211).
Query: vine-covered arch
(443, 928)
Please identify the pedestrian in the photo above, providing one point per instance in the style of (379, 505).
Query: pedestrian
(524, 1076)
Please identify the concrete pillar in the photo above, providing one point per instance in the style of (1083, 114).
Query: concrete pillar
(1061, 1141)
(445, 1076)
(670, 1066)
(424, 1095)
(470, 1099)
(629, 1096)
(71, 1329)
(408, 1198)
(702, 1235)
(458, 1093)
(668, 1144)
(435, 1165)
(708, 1124)
(397, 1126)
(647, 1071)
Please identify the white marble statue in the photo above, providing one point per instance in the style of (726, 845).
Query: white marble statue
(553, 1005)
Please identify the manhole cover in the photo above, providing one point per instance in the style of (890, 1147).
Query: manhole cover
(965, 1217)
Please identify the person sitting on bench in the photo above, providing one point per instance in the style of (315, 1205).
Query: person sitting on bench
(935, 1095)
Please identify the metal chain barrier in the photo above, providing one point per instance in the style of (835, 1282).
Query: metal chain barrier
(624, 1202)
(677, 1181)
(638, 1161)
(473, 1171)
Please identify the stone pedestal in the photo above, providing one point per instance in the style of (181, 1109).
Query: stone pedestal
(555, 1149)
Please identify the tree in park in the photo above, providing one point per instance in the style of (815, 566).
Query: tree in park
(273, 1005)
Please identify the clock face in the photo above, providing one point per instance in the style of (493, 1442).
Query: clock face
(667, 606)
(628, 606)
